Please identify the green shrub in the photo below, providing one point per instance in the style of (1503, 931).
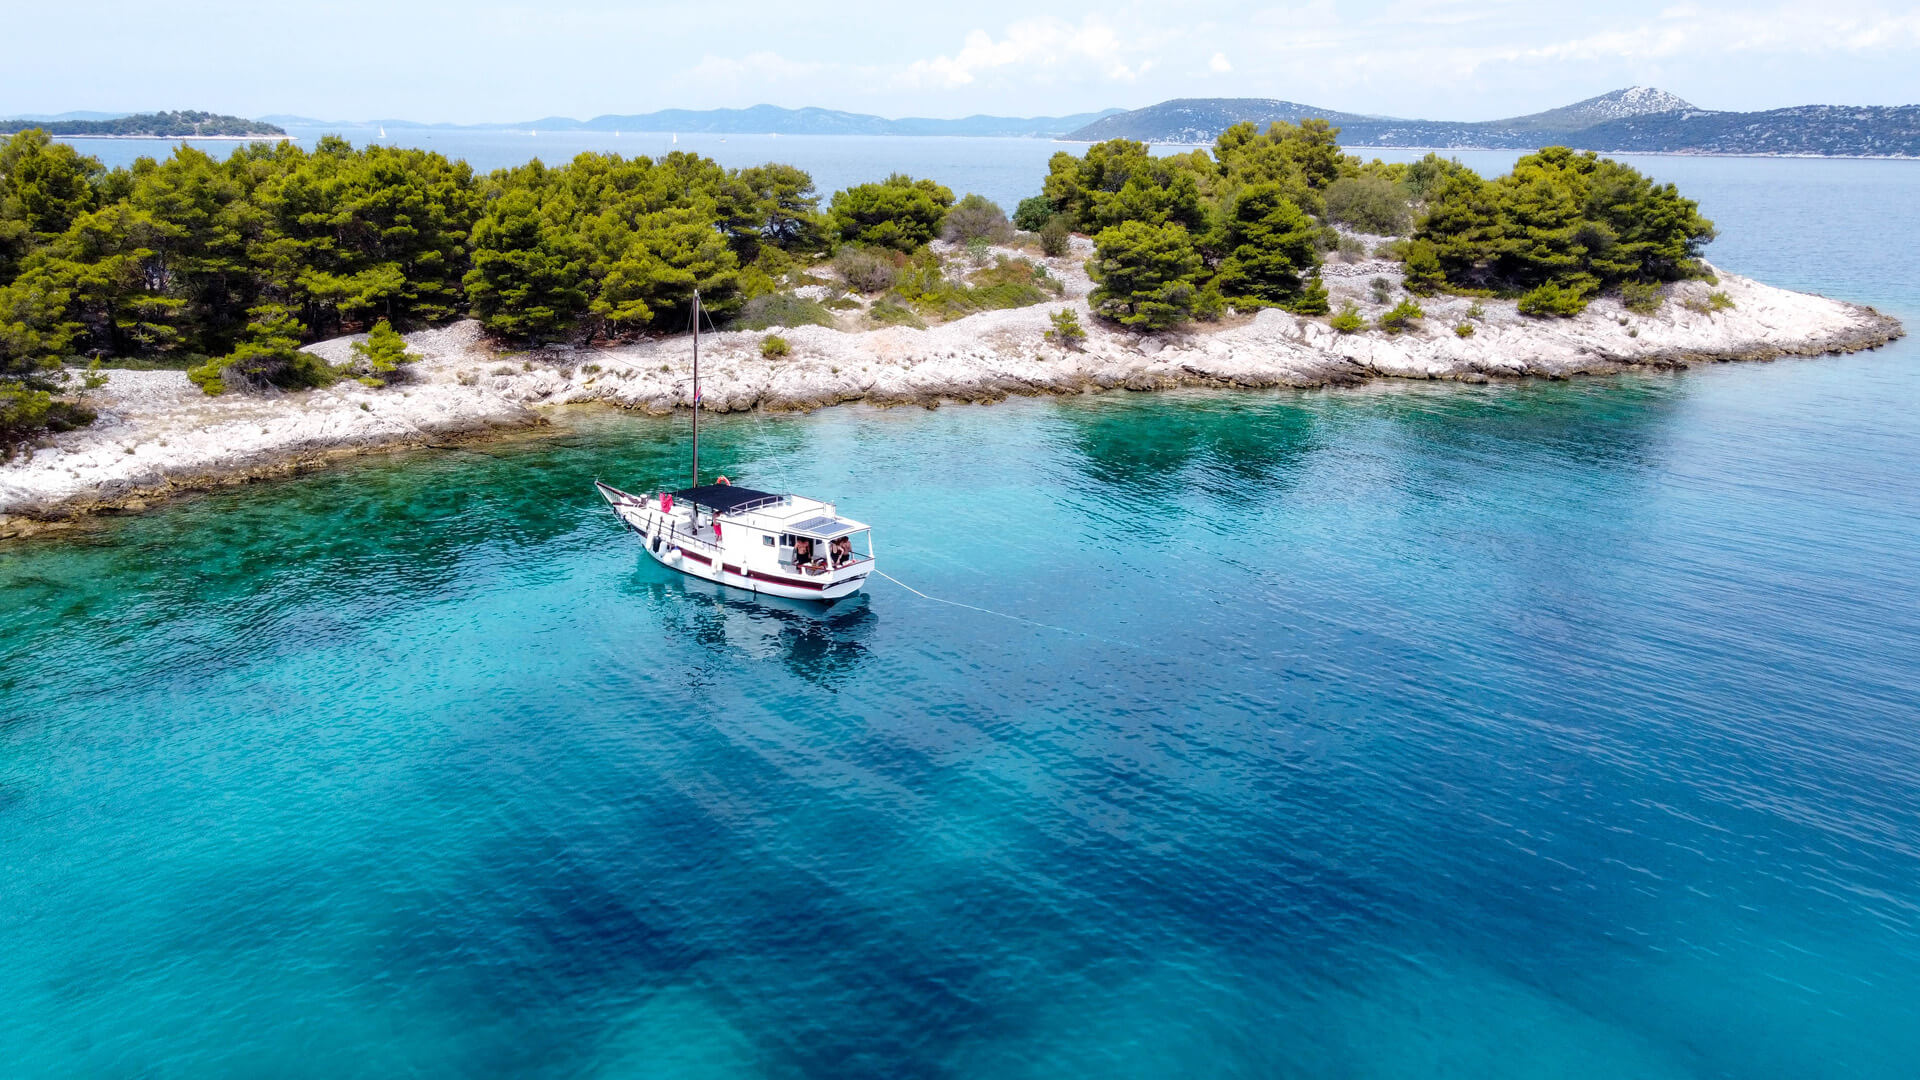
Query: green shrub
(1642, 297)
(977, 217)
(888, 313)
(1008, 283)
(1067, 330)
(379, 356)
(1556, 299)
(1148, 275)
(268, 355)
(1476, 310)
(1464, 329)
(1381, 289)
(1560, 215)
(1033, 213)
(1402, 317)
(1423, 273)
(1271, 252)
(978, 249)
(773, 345)
(1351, 249)
(1348, 321)
(866, 270)
(1311, 301)
(899, 212)
(1055, 238)
(1370, 204)
(782, 309)
(1715, 301)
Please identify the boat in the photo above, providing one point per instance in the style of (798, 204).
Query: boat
(778, 544)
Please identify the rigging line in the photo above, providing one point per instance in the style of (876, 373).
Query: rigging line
(1002, 614)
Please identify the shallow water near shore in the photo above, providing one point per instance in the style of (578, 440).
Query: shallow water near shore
(1539, 729)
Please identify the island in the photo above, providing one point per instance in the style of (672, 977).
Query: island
(1636, 119)
(201, 322)
(187, 124)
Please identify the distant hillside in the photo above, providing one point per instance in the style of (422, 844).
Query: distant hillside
(77, 115)
(166, 125)
(1820, 130)
(768, 120)
(773, 120)
(1638, 118)
(1199, 120)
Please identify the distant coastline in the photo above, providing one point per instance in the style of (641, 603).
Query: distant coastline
(283, 137)
(1634, 120)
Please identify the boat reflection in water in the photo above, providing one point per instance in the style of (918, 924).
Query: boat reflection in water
(821, 644)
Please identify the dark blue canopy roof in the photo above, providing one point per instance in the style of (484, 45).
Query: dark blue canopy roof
(725, 498)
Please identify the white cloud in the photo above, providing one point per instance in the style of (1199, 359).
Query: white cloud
(1220, 63)
(760, 67)
(1031, 46)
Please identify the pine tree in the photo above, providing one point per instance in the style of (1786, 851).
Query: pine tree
(1270, 250)
(380, 355)
(1148, 275)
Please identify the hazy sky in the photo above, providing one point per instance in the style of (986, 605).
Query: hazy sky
(484, 60)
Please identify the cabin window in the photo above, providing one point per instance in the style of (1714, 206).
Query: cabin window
(786, 541)
(767, 540)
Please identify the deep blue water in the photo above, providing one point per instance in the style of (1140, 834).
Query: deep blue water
(1543, 729)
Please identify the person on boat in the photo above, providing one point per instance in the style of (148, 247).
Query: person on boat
(842, 551)
(803, 556)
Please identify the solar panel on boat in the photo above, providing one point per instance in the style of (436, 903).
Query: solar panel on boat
(821, 526)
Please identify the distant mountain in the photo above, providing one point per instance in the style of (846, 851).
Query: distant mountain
(1633, 101)
(164, 125)
(1637, 119)
(45, 117)
(773, 120)
(1198, 120)
(284, 120)
(766, 120)
(1812, 130)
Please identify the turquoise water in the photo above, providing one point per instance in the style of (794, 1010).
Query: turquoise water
(1544, 729)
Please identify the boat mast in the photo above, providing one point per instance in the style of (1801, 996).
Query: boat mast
(696, 388)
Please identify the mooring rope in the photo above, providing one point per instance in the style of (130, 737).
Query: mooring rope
(1002, 614)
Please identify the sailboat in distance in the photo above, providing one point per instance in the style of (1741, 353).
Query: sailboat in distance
(781, 544)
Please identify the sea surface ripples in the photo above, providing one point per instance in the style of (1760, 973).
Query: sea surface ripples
(1523, 730)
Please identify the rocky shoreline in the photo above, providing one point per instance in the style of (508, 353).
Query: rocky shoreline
(157, 435)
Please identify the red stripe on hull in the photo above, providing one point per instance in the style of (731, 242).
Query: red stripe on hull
(790, 582)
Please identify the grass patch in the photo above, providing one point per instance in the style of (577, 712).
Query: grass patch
(1348, 320)
(888, 313)
(1402, 317)
(1008, 283)
(782, 309)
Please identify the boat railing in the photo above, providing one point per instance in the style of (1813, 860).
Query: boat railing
(687, 537)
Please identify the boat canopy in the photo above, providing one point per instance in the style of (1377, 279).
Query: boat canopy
(725, 498)
(823, 528)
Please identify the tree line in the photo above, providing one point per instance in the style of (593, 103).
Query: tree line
(226, 267)
(1186, 236)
